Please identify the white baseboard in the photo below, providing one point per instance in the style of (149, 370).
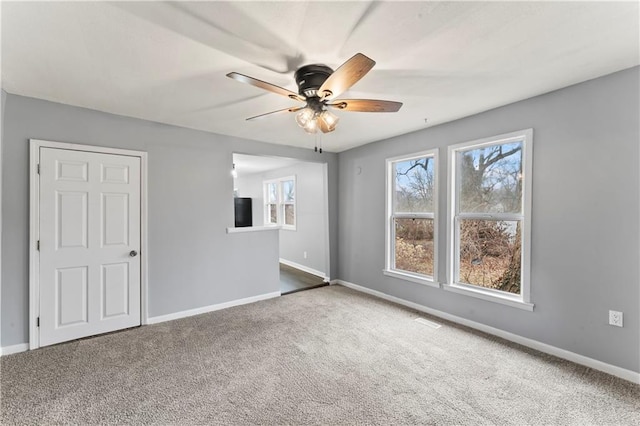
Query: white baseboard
(622, 373)
(211, 308)
(14, 349)
(304, 268)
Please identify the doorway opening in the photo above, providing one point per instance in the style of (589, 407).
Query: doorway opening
(291, 194)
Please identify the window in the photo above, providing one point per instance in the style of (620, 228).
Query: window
(489, 213)
(288, 202)
(280, 202)
(411, 206)
(271, 206)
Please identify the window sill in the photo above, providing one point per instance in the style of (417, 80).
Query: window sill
(418, 279)
(505, 299)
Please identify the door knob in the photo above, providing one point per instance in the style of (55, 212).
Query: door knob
(133, 253)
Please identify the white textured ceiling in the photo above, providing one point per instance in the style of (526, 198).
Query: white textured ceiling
(167, 62)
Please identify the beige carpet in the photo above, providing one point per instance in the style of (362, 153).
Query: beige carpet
(324, 356)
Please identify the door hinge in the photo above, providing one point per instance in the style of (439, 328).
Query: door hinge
(38, 168)
(38, 322)
(38, 245)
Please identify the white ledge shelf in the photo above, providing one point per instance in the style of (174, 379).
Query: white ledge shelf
(252, 229)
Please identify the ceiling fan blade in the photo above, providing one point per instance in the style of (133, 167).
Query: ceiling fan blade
(346, 76)
(366, 105)
(266, 86)
(226, 27)
(292, 109)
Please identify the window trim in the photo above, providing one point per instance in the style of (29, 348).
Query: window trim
(389, 218)
(523, 300)
(280, 203)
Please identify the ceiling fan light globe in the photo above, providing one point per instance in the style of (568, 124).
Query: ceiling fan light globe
(311, 126)
(304, 116)
(329, 120)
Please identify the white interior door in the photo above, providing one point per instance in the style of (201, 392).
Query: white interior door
(89, 222)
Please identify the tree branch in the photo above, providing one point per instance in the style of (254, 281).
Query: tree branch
(416, 164)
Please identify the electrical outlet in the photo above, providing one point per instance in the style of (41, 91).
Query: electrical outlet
(615, 318)
(304, 254)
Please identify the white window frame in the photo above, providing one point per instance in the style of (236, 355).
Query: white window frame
(522, 300)
(389, 269)
(280, 203)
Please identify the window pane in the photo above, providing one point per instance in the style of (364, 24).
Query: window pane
(272, 193)
(289, 217)
(490, 179)
(414, 245)
(414, 185)
(273, 213)
(288, 191)
(490, 254)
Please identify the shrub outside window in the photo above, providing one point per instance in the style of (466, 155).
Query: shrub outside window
(411, 227)
(490, 186)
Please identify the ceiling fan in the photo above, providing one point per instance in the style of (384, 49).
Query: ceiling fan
(318, 87)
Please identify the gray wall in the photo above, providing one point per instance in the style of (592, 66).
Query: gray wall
(193, 262)
(585, 226)
(310, 234)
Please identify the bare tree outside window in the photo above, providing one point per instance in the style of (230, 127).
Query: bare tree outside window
(489, 231)
(414, 185)
(490, 179)
(490, 182)
(413, 215)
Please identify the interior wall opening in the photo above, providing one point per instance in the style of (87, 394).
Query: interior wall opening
(292, 195)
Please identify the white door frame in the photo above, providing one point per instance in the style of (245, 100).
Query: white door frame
(327, 234)
(34, 221)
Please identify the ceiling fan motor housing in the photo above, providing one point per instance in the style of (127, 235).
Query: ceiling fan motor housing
(310, 77)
